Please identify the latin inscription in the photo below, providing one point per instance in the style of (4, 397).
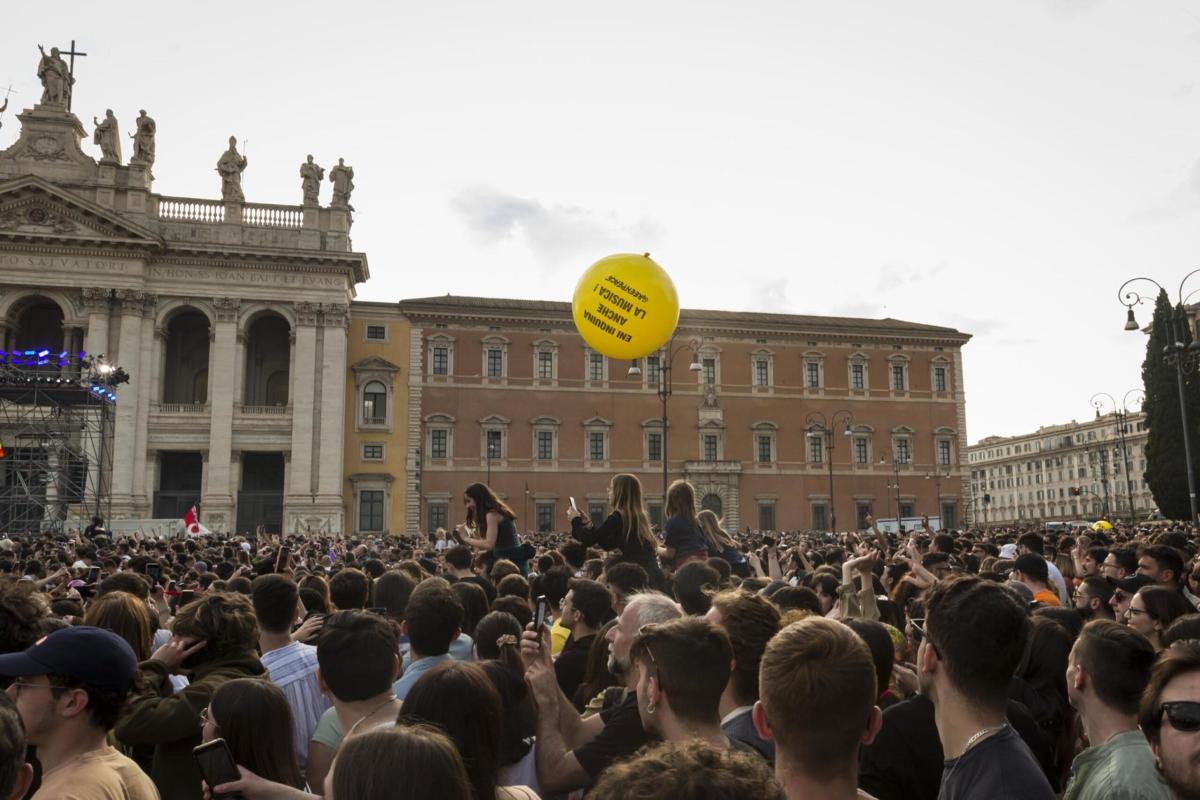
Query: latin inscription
(65, 263)
(242, 277)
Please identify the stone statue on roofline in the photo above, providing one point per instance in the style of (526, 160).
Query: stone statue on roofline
(143, 140)
(230, 167)
(56, 78)
(311, 175)
(342, 178)
(108, 137)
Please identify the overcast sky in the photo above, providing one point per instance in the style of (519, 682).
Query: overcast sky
(1000, 166)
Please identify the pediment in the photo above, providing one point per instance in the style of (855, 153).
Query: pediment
(374, 364)
(34, 210)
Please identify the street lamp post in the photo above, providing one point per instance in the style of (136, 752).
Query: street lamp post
(1184, 357)
(1121, 414)
(936, 477)
(666, 357)
(490, 453)
(895, 485)
(817, 425)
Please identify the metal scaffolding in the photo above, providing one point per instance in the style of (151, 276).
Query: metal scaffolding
(56, 426)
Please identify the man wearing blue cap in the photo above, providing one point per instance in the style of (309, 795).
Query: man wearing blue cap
(69, 688)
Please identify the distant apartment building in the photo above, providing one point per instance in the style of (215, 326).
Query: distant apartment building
(1062, 472)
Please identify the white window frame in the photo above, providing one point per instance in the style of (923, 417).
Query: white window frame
(439, 422)
(903, 434)
(494, 343)
(941, 362)
(374, 370)
(818, 358)
(814, 445)
(762, 356)
(549, 425)
(588, 380)
(706, 351)
(601, 426)
(366, 332)
(382, 451)
(494, 423)
(862, 433)
(545, 346)
(434, 342)
(645, 365)
(771, 431)
(904, 362)
(864, 360)
(711, 429)
(652, 426)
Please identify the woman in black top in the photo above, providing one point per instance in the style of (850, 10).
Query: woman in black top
(488, 514)
(626, 529)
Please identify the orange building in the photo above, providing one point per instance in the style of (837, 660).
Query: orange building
(760, 407)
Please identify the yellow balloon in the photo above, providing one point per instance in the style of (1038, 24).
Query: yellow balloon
(1102, 525)
(625, 306)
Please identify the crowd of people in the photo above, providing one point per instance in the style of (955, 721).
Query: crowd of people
(614, 660)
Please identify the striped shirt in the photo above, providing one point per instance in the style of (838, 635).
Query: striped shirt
(293, 668)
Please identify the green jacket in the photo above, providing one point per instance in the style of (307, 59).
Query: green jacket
(171, 722)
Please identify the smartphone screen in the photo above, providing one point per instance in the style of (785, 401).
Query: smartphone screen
(281, 560)
(539, 620)
(573, 504)
(154, 570)
(186, 596)
(93, 574)
(216, 765)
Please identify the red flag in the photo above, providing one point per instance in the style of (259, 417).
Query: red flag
(191, 522)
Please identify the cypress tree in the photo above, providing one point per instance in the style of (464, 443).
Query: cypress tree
(1166, 470)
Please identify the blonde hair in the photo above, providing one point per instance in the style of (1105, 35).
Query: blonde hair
(627, 501)
(681, 502)
(718, 540)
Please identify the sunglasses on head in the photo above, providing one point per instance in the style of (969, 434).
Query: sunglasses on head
(1183, 715)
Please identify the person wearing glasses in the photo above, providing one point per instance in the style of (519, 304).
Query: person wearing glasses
(69, 689)
(1153, 609)
(1109, 666)
(1170, 717)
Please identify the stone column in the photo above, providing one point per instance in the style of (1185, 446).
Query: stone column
(333, 405)
(218, 498)
(144, 378)
(304, 361)
(129, 345)
(95, 302)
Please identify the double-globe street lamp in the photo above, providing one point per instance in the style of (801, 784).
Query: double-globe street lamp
(1121, 413)
(1184, 357)
(819, 428)
(666, 357)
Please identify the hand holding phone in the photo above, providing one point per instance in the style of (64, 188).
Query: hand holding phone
(216, 766)
(539, 618)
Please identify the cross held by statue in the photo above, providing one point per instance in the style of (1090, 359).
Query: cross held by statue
(71, 69)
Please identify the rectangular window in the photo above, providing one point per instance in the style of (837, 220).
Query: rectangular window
(441, 361)
(861, 512)
(816, 447)
(595, 367)
(820, 518)
(766, 516)
(372, 452)
(597, 511)
(906, 510)
(545, 445)
(370, 510)
(494, 443)
(812, 375)
(545, 517)
(860, 450)
(710, 371)
(438, 515)
(764, 449)
(903, 451)
(710, 447)
(596, 446)
(949, 516)
(439, 439)
(898, 377)
(545, 365)
(653, 371)
(943, 453)
(495, 362)
(654, 443)
(858, 376)
(761, 372)
(377, 332)
(939, 379)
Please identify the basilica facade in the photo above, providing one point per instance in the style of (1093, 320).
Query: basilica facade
(229, 316)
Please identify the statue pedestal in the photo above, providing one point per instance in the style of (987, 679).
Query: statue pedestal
(50, 138)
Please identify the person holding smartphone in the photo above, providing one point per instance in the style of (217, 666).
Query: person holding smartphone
(69, 689)
(627, 527)
(488, 514)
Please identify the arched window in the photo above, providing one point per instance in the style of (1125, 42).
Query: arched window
(374, 403)
(712, 502)
(39, 327)
(185, 361)
(268, 351)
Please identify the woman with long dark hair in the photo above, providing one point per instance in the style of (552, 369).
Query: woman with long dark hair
(492, 519)
(683, 541)
(627, 527)
(253, 717)
(460, 699)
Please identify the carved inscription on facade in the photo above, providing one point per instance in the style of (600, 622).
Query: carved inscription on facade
(67, 264)
(236, 277)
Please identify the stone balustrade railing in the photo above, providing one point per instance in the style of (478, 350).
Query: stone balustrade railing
(190, 209)
(267, 411)
(265, 215)
(182, 408)
(190, 219)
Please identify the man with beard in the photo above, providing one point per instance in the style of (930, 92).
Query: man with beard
(1092, 598)
(572, 751)
(1170, 718)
